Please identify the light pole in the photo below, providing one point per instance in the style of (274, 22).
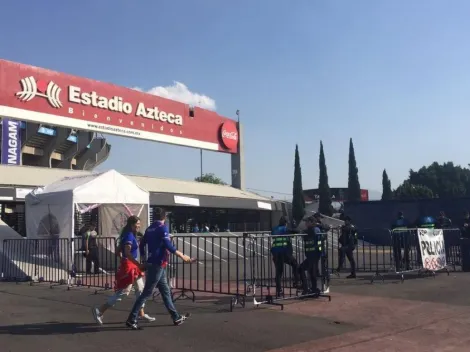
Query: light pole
(201, 162)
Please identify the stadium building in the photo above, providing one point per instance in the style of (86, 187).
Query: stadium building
(52, 125)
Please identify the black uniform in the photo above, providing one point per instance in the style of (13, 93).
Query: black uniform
(92, 256)
(443, 222)
(465, 227)
(313, 242)
(282, 251)
(401, 239)
(348, 242)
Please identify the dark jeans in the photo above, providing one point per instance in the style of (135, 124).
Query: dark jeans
(279, 260)
(155, 277)
(310, 265)
(92, 257)
(347, 251)
(402, 240)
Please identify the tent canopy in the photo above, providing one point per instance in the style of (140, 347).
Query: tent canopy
(109, 187)
(50, 211)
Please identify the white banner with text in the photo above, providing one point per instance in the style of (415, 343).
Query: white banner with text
(431, 244)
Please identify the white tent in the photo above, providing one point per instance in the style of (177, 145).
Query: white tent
(50, 211)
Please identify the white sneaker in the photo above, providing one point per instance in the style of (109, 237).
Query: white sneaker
(97, 315)
(147, 318)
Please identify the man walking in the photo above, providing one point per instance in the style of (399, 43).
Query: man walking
(158, 243)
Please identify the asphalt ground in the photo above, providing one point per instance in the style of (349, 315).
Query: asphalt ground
(420, 314)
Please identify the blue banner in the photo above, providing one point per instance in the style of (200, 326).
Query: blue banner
(11, 142)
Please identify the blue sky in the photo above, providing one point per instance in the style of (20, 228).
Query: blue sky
(393, 75)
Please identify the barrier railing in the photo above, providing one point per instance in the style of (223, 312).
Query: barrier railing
(408, 246)
(219, 269)
(38, 260)
(370, 254)
(95, 267)
(276, 277)
(229, 264)
(452, 246)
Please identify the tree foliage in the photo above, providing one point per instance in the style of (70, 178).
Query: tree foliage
(387, 193)
(324, 206)
(444, 180)
(298, 201)
(354, 187)
(408, 191)
(210, 178)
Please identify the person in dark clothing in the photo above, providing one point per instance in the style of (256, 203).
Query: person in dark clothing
(348, 242)
(282, 252)
(401, 239)
(91, 250)
(465, 225)
(313, 249)
(443, 222)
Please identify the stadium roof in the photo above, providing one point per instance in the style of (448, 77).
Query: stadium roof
(29, 176)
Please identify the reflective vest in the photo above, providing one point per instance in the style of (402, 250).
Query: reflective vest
(427, 222)
(400, 224)
(313, 241)
(280, 242)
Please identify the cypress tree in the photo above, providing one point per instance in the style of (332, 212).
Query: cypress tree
(354, 188)
(386, 187)
(298, 201)
(324, 206)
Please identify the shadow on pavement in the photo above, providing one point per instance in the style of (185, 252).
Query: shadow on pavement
(59, 328)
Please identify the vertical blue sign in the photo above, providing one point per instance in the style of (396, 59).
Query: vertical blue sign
(11, 142)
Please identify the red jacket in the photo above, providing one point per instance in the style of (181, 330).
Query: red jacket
(126, 275)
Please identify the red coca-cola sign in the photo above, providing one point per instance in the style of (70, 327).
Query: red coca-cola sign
(229, 135)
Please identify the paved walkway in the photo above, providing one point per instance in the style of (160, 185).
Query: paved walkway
(422, 314)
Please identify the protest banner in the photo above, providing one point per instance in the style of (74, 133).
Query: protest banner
(431, 244)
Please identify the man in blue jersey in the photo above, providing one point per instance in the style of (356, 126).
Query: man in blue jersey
(281, 249)
(159, 245)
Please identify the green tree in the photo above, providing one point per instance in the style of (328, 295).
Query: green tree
(354, 187)
(408, 191)
(387, 193)
(444, 180)
(298, 201)
(210, 178)
(324, 206)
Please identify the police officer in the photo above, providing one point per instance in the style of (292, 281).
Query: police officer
(400, 236)
(348, 242)
(282, 251)
(443, 222)
(465, 225)
(313, 249)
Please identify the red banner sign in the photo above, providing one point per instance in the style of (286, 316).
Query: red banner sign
(29, 93)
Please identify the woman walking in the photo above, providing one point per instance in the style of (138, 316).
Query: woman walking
(129, 273)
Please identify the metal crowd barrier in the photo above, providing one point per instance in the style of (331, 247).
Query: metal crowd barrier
(98, 268)
(452, 246)
(261, 279)
(219, 269)
(372, 253)
(227, 264)
(38, 260)
(407, 252)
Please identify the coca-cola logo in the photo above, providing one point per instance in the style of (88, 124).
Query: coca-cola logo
(229, 135)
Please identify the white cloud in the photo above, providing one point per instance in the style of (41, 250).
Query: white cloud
(180, 92)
